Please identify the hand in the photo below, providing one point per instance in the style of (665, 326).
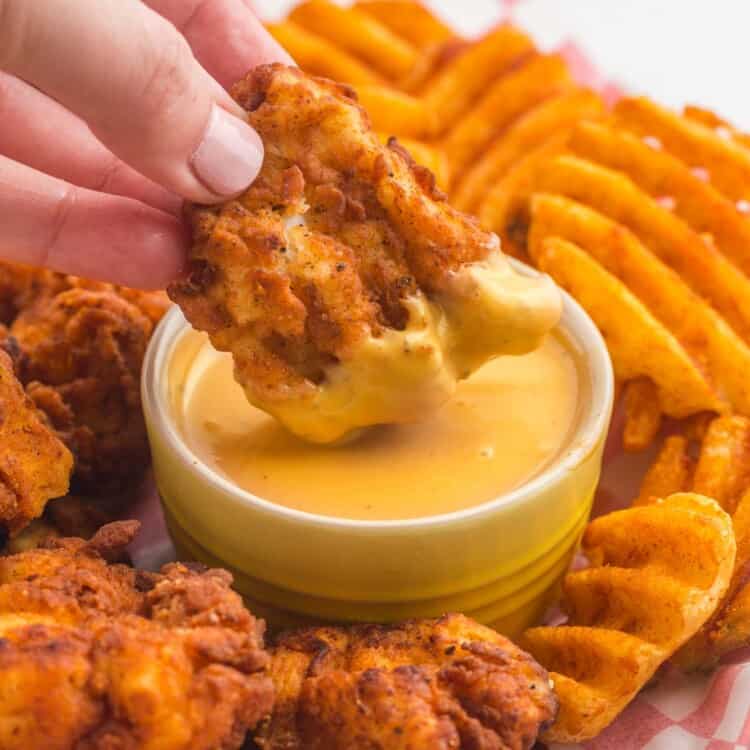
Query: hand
(111, 111)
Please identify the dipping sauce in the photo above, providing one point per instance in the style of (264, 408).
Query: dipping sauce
(505, 424)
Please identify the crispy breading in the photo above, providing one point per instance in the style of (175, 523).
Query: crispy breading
(35, 466)
(445, 684)
(96, 656)
(23, 286)
(347, 290)
(81, 357)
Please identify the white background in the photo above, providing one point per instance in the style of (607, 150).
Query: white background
(678, 51)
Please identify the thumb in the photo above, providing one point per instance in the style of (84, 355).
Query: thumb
(133, 78)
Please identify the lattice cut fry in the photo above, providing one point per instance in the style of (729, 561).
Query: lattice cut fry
(726, 161)
(642, 414)
(656, 575)
(512, 95)
(699, 263)
(671, 471)
(358, 33)
(530, 131)
(701, 331)
(395, 112)
(662, 175)
(458, 84)
(409, 20)
(638, 344)
(505, 208)
(319, 57)
(710, 119)
(723, 469)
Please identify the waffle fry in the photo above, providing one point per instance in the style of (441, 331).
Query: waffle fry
(396, 112)
(699, 263)
(360, 34)
(656, 575)
(717, 351)
(319, 57)
(711, 120)
(531, 130)
(726, 162)
(639, 345)
(671, 471)
(513, 94)
(626, 191)
(458, 84)
(721, 469)
(659, 173)
(409, 20)
(642, 414)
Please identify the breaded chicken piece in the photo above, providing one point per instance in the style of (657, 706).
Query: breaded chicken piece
(80, 359)
(446, 684)
(22, 286)
(102, 657)
(348, 291)
(35, 465)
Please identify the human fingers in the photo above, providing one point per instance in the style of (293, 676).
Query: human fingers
(41, 133)
(133, 78)
(48, 222)
(225, 35)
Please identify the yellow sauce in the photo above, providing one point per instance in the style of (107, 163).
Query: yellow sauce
(504, 425)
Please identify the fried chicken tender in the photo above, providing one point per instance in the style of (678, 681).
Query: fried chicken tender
(23, 286)
(35, 466)
(96, 656)
(348, 291)
(80, 359)
(446, 684)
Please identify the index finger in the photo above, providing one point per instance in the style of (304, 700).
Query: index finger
(226, 36)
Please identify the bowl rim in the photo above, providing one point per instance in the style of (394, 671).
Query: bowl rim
(578, 329)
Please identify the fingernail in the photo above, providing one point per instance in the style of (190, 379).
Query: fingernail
(230, 154)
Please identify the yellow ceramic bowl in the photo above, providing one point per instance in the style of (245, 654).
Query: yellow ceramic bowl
(498, 562)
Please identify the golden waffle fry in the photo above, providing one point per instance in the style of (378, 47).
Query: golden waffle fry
(662, 175)
(505, 208)
(642, 414)
(656, 575)
(534, 128)
(396, 112)
(463, 80)
(711, 120)
(513, 94)
(720, 354)
(699, 263)
(639, 345)
(409, 20)
(319, 57)
(671, 471)
(358, 33)
(722, 468)
(431, 62)
(727, 162)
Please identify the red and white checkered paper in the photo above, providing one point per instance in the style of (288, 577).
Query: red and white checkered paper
(676, 711)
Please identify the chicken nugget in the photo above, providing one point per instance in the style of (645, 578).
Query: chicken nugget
(81, 356)
(446, 684)
(348, 291)
(35, 465)
(96, 656)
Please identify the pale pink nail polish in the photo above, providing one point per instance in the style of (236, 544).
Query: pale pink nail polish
(230, 155)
